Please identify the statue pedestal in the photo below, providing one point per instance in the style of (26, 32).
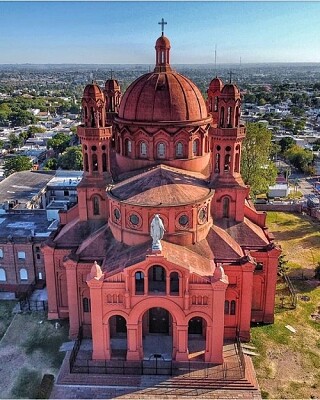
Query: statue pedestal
(157, 246)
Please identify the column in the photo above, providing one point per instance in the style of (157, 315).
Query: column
(100, 332)
(72, 291)
(132, 342)
(181, 343)
(48, 253)
(246, 301)
(214, 340)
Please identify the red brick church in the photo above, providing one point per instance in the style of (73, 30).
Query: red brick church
(162, 150)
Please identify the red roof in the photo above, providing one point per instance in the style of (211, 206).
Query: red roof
(162, 186)
(163, 96)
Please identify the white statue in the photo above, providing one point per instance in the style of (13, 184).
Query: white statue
(156, 232)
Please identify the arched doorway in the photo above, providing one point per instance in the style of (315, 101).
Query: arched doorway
(157, 333)
(197, 327)
(118, 337)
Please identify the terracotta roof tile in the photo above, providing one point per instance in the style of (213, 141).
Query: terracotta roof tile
(161, 186)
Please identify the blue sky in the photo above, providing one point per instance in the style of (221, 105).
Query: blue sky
(125, 32)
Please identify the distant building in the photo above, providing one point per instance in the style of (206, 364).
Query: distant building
(21, 260)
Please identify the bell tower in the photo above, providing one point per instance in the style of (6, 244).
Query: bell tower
(227, 135)
(112, 94)
(95, 136)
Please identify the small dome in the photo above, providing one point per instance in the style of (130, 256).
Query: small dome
(93, 91)
(163, 96)
(112, 85)
(231, 90)
(216, 85)
(163, 41)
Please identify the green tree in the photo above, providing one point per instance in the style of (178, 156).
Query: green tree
(33, 129)
(257, 169)
(15, 141)
(21, 118)
(51, 164)
(71, 158)
(59, 142)
(286, 143)
(301, 158)
(16, 164)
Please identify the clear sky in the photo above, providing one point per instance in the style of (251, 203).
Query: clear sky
(125, 32)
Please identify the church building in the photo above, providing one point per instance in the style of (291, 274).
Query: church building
(164, 240)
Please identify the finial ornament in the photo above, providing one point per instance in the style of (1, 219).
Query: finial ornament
(162, 23)
(111, 73)
(156, 232)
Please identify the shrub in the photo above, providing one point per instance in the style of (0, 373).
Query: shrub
(26, 384)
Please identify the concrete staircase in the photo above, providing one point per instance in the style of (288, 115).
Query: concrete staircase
(209, 383)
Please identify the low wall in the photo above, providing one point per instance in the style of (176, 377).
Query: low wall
(296, 208)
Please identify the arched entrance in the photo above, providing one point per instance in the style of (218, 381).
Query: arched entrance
(197, 327)
(157, 333)
(118, 337)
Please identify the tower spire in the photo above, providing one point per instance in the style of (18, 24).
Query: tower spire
(162, 23)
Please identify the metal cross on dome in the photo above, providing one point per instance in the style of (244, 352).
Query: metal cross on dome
(162, 23)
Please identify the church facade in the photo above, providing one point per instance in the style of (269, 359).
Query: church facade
(208, 269)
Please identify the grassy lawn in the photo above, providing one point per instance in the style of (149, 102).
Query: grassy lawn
(6, 307)
(288, 365)
(29, 350)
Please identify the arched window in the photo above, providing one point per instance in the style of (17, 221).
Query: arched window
(23, 274)
(127, 147)
(86, 164)
(93, 122)
(143, 149)
(94, 162)
(157, 279)
(229, 117)
(104, 162)
(196, 147)
(226, 307)
(161, 150)
(174, 283)
(96, 205)
(227, 161)
(233, 307)
(3, 276)
(217, 163)
(206, 144)
(222, 117)
(85, 112)
(139, 282)
(237, 114)
(237, 163)
(226, 206)
(179, 150)
(1, 253)
(86, 304)
(215, 107)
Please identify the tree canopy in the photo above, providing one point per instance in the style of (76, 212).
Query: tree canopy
(257, 170)
(59, 142)
(16, 164)
(71, 159)
(300, 158)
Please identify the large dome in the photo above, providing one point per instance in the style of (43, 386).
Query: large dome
(163, 96)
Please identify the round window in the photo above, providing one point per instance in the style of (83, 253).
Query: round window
(183, 220)
(228, 148)
(218, 148)
(117, 214)
(134, 219)
(103, 147)
(93, 148)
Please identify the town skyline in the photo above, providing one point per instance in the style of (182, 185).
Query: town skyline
(125, 32)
